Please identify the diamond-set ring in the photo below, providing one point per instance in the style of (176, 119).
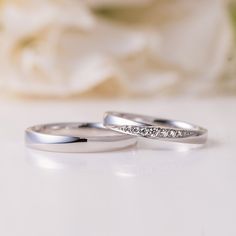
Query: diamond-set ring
(155, 128)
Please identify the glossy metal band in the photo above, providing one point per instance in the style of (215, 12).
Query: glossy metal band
(76, 137)
(155, 128)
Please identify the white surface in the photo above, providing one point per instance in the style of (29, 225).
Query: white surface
(131, 192)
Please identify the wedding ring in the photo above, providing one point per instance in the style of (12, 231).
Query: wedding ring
(155, 128)
(76, 137)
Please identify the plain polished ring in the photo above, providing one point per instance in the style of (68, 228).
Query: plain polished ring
(76, 137)
(155, 128)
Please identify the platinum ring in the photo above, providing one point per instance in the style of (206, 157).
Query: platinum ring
(155, 128)
(76, 137)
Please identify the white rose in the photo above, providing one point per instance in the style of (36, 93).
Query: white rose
(62, 48)
(118, 3)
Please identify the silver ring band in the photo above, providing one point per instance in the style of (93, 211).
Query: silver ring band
(155, 128)
(76, 137)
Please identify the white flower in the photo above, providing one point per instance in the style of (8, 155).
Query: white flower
(118, 3)
(66, 47)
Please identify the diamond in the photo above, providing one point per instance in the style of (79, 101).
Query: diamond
(189, 133)
(163, 133)
(154, 132)
(178, 134)
(144, 131)
(151, 132)
(184, 133)
(127, 129)
(135, 130)
(122, 128)
(171, 133)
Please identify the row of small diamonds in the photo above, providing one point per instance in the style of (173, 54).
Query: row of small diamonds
(155, 132)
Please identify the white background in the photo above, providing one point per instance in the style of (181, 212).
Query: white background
(131, 192)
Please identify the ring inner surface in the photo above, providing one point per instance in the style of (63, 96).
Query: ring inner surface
(76, 130)
(148, 120)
